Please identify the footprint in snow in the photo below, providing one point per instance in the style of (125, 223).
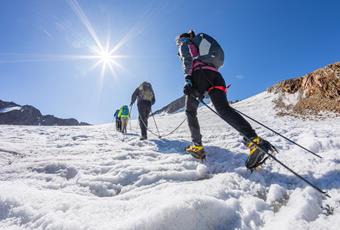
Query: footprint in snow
(62, 170)
(80, 137)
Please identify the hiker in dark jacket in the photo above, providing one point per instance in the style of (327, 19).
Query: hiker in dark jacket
(118, 121)
(145, 97)
(201, 57)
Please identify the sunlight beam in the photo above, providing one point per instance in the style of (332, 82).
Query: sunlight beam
(86, 22)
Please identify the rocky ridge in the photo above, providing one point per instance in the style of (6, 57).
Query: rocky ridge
(311, 94)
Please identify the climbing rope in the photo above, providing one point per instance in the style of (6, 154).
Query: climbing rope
(148, 128)
(154, 120)
(158, 135)
(175, 128)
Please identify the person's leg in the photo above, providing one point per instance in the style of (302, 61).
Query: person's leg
(126, 125)
(119, 125)
(191, 105)
(143, 117)
(207, 79)
(219, 99)
(147, 112)
(125, 122)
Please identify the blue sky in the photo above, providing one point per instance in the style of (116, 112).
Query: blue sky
(264, 41)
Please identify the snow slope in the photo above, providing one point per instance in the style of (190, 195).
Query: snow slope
(9, 109)
(94, 178)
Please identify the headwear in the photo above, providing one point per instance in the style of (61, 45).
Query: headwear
(181, 38)
(145, 83)
(191, 33)
(184, 35)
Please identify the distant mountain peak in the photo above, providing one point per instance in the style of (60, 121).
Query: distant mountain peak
(173, 107)
(14, 114)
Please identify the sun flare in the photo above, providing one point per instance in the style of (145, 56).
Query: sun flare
(105, 57)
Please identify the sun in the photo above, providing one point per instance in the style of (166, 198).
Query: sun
(105, 57)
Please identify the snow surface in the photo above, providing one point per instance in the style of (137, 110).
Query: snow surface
(91, 177)
(9, 109)
(291, 99)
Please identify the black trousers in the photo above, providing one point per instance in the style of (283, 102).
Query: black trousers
(202, 81)
(118, 124)
(144, 109)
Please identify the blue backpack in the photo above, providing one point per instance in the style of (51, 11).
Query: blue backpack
(125, 110)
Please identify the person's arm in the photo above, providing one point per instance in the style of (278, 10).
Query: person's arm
(120, 113)
(186, 58)
(134, 96)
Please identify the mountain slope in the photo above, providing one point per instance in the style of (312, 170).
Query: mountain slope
(172, 107)
(14, 114)
(94, 178)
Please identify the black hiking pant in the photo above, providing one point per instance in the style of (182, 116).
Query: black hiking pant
(202, 80)
(144, 109)
(118, 124)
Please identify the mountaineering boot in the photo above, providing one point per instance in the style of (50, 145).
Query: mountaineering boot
(143, 138)
(196, 151)
(258, 149)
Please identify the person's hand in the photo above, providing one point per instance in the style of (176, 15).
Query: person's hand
(187, 89)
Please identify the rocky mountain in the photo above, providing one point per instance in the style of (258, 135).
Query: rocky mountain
(172, 107)
(14, 114)
(310, 94)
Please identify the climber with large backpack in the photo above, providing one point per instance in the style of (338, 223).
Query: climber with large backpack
(201, 57)
(145, 97)
(124, 115)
